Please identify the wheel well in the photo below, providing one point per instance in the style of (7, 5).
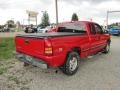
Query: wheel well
(75, 49)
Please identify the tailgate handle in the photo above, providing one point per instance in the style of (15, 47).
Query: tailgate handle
(26, 41)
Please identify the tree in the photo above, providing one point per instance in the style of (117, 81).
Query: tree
(74, 17)
(45, 20)
(10, 23)
(18, 23)
(18, 26)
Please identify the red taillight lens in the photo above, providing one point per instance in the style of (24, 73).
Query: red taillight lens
(48, 47)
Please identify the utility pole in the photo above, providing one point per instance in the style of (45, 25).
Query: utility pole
(108, 12)
(56, 7)
(107, 20)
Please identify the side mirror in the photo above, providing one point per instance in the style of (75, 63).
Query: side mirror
(106, 31)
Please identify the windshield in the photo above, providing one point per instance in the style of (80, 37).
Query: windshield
(72, 27)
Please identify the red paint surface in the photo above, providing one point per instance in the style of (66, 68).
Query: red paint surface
(87, 44)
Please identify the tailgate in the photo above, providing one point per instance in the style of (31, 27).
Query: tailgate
(32, 46)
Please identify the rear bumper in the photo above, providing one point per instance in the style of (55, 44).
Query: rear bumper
(33, 61)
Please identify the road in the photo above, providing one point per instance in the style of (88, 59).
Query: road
(100, 72)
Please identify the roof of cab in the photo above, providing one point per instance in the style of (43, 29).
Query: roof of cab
(76, 22)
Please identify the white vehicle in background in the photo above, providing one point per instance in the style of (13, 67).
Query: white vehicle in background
(44, 30)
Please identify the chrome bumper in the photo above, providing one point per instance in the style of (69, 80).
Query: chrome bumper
(33, 61)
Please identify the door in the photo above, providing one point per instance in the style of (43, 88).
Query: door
(102, 38)
(94, 39)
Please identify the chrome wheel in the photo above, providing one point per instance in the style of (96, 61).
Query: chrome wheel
(107, 47)
(73, 64)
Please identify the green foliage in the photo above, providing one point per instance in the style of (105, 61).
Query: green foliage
(6, 48)
(114, 24)
(74, 17)
(6, 53)
(45, 20)
(11, 23)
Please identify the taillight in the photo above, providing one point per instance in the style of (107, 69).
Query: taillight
(48, 47)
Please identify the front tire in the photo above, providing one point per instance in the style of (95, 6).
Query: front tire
(71, 65)
(107, 48)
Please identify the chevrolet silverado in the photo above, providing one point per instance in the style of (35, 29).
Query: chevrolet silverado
(64, 48)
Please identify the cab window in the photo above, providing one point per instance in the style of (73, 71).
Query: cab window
(98, 29)
(92, 28)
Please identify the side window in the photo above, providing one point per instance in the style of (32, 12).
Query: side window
(92, 28)
(98, 29)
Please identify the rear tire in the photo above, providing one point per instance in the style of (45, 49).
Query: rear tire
(71, 65)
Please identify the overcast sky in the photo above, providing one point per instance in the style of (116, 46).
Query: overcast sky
(86, 9)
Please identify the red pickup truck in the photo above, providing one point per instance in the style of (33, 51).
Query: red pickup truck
(64, 48)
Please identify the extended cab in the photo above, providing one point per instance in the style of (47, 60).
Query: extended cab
(64, 48)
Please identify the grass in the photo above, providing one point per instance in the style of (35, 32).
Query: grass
(6, 53)
(6, 48)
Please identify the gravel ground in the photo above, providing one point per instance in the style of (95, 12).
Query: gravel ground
(100, 72)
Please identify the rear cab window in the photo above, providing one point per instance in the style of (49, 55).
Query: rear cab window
(92, 28)
(73, 28)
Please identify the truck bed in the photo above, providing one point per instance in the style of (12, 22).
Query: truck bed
(34, 45)
(55, 34)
